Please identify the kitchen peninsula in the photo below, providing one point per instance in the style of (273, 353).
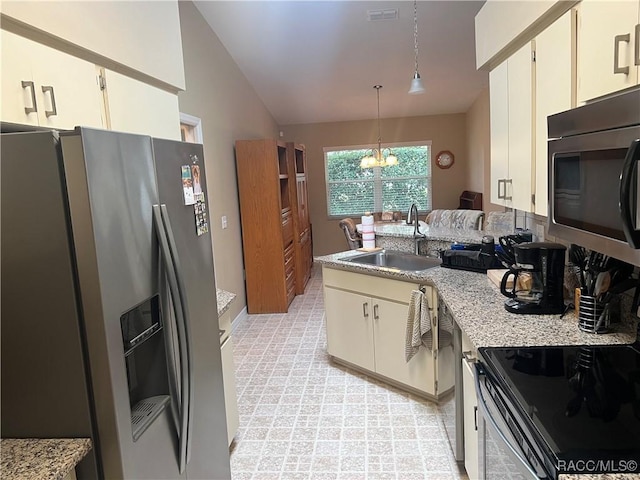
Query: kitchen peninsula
(478, 307)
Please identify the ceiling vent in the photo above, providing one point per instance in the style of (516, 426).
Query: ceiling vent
(387, 14)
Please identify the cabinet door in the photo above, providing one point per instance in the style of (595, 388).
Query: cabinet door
(303, 201)
(230, 395)
(390, 327)
(349, 318)
(553, 88)
(67, 90)
(499, 122)
(17, 69)
(137, 107)
(598, 24)
(520, 107)
(470, 420)
(56, 77)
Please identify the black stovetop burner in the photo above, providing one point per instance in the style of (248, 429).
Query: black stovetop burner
(581, 403)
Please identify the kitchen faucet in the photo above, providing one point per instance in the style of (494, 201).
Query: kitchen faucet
(412, 218)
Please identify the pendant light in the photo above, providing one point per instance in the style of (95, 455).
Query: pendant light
(378, 157)
(416, 84)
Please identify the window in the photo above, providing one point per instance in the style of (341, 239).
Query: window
(352, 190)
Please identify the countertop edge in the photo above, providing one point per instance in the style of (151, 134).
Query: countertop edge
(41, 458)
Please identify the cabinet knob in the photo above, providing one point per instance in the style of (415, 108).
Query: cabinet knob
(375, 312)
(365, 310)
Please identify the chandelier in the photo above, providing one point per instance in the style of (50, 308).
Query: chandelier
(378, 157)
(416, 84)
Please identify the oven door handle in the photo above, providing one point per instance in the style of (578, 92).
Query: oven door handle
(484, 411)
(626, 194)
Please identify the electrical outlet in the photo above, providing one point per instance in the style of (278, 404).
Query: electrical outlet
(224, 222)
(540, 232)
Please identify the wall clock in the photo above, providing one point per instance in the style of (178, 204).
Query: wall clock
(445, 159)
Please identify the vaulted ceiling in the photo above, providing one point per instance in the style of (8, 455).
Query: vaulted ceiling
(317, 61)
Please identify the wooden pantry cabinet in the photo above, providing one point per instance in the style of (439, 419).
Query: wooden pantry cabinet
(275, 241)
(297, 160)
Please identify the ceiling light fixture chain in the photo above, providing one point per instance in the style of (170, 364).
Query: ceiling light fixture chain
(416, 84)
(376, 157)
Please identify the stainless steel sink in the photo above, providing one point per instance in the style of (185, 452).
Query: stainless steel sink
(395, 260)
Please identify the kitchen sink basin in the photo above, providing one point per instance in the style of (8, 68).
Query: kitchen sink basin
(395, 260)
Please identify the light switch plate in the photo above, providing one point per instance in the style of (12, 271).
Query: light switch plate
(224, 222)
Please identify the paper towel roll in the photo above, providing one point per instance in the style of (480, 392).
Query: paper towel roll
(367, 219)
(366, 229)
(368, 236)
(368, 244)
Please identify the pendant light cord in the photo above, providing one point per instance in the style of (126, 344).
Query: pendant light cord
(415, 32)
(378, 87)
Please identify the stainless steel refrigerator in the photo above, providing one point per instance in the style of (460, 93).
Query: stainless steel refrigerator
(109, 318)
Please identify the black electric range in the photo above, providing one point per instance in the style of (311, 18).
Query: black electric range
(579, 405)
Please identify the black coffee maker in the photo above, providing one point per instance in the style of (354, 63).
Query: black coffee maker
(538, 279)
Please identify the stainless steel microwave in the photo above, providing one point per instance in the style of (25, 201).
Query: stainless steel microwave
(594, 185)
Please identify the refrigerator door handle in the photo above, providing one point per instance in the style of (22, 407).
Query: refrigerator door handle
(172, 280)
(188, 398)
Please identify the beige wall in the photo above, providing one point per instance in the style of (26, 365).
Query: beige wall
(447, 132)
(218, 93)
(479, 150)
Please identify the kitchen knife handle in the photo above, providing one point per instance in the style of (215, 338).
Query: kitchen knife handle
(34, 106)
(618, 39)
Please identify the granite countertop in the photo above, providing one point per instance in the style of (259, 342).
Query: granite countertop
(225, 299)
(478, 307)
(41, 458)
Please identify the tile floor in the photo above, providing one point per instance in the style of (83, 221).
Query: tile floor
(303, 417)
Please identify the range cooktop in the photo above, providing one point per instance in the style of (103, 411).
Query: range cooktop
(581, 404)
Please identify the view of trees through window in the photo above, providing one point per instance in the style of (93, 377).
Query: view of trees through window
(352, 190)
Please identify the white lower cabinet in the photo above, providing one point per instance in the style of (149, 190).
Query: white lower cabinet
(366, 320)
(229, 380)
(470, 420)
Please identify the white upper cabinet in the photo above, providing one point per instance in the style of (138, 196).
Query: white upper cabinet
(143, 36)
(136, 107)
(43, 86)
(608, 47)
(520, 127)
(510, 106)
(554, 87)
(499, 124)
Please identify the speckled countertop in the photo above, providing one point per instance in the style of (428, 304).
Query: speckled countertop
(224, 300)
(478, 307)
(40, 458)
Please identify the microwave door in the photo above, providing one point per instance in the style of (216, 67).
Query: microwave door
(629, 195)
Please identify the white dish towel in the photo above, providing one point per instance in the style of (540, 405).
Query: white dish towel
(418, 325)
